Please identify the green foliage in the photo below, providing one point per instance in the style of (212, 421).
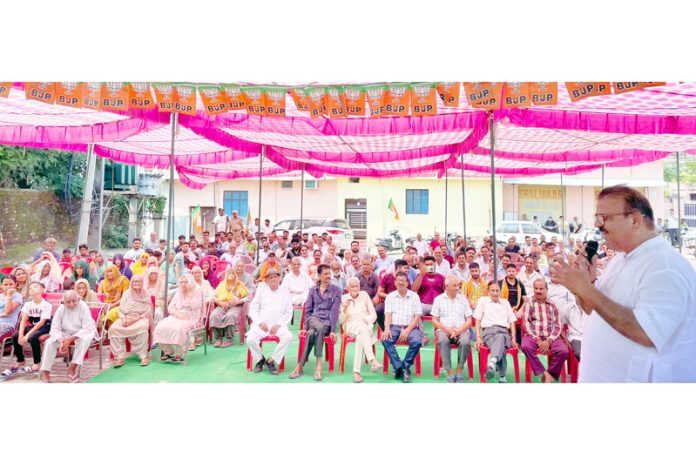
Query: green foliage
(687, 169)
(120, 205)
(115, 237)
(37, 169)
(156, 206)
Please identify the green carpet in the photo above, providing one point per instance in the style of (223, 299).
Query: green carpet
(228, 365)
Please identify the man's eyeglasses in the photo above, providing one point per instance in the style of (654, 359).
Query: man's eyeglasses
(601, 218)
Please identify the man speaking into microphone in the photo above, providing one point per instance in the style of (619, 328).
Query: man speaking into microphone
(642, 313)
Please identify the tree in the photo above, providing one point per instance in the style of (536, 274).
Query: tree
(687, 169)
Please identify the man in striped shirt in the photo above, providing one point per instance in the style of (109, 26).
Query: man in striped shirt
(542, 334)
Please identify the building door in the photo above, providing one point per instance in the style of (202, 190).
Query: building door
(356, 214)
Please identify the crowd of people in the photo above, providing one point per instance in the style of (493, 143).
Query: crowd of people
(499, 297)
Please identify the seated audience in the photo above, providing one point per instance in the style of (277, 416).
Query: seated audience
(113, 286)
(495, 328)
(230, 296)
(134, 322)
(297, 283)
(84, 292)
(171, 334)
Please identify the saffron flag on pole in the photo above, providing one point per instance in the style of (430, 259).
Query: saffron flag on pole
(392, 207)
(196, 220)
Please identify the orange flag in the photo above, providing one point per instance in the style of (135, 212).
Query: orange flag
(235, 99)
(376, 94)
(397, 99)
(424, 99)
(91, 93)
(355, 100)
(41, 91)
(69, 94)
(5, 89)
(335, 102)
(214, 99)
(449, 93)
(275, 100)
(164, 93)
(314, 96)
(580, 90)
(185, 99)
(255, 100)
(115, 96)
(298, 96)
(543, 93)
(623, 87)
(140, 96)
(516, 94)
(483, 94)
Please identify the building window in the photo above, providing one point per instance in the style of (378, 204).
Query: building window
(311, 184)
(692, 197)
(236, 200)
(286, 184)
(354, 180)
(417, 201)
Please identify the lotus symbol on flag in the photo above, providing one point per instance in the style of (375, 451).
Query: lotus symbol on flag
(233, 91)
(542, 86)
(165, 90)
(352, 93)
(211, 92)
(422, 91)
(44, 85)
(447, 85)
(140, 88)
(514, 87)
(184, 91)
(333, 93)
(114, 88)
(316, 93)
(69, 87)
(375, 93)
(276, 96)
(398, 91)
(254, 95)
(93, 87)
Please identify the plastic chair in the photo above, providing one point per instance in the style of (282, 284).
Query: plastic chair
(128, 262)
(53, 297)
(328, 353)
(385, 361)
(572, 363)
(6, 340)
(64, 266)
(528, 366)
(483, 362)
(345, 340)
(199, 329)
(437, 363)
(241, 323)
(275, 339)
(220, 266)
(294, 309)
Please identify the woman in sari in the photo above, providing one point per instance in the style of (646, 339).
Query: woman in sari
(81, 270)
(84, 291)
(243, 276)
(229, 299)
(21, 274)
(358, 316)
(184, 313)
(140, 266)
(113, 286)
(154, 284)
(121, 265)
(176, 270)
(207, 265)
(98, 265)
(207, 290)
(134, 320)
(46, 276)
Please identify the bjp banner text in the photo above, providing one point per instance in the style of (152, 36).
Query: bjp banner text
(423, 99)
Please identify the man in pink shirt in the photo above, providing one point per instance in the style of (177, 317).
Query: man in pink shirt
(428, 284)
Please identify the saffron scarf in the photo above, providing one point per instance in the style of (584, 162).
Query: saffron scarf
(505, 292)
(475, 293)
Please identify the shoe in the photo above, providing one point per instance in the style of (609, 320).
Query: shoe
(272, 368)
(398, 373)
(490, 371)
(451, 379)
(458, 379)
(259, 365)
(407, 377)
(502, 380)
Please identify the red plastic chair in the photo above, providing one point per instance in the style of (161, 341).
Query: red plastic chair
(53, 297)
(102, 297)
(572, 363)
(6, 270)
(128, 262)
(345, 340)
(64, 266)
(483, 362)
(221, 266)
(385, 361)
(528, 366)
(437, 364)
(294, 309)
(241, 323)
(275, 339)
(328, 353)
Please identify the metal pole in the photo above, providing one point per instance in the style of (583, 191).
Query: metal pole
(301, 203)
(491, 126)
(258, 236)
(461, 157)
(563, 212)
(602, 175)
(86, 209)
(101, 205)
(446, 198)
(679, 210)
(170, 209)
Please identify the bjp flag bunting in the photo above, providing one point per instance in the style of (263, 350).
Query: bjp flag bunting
(516, 94)
(140, 96)
(424, 99)
(5, 89)
(185, 99)
(115, 96)
(449, 93)
(235, 100)
(355, 100)
(392, 207)
(485, 95)
(298, 96)
(196, 220)
(41, 91)
(314, 96)
(214, 99)
(275, 100)
(543, 93)
(335, 102)
(164, 93)
(376, 94)
(622, 87)
(91, 95)
(580, 90)
(69, 94)
(254, 100)
(397, 99)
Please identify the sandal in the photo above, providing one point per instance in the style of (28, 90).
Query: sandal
(177, 359)
(119, 363)
(9, 372)
(296, 374)
(357, 378)
(74, 378)
(317, 377)
(218, 343)
(145, 362)
(226, 344)
(165, 357)
(374, 368)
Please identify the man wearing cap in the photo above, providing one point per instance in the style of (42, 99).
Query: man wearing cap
(236, 225)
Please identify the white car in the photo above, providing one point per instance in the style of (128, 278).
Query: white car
(338, 228)
(520, 229)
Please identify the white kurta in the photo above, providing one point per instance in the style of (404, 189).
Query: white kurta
(660, 286)
(271, 307)
(76, 322)
(297, 283)
(568, 310)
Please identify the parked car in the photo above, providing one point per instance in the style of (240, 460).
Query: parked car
(338, 228)
(520, 229)
(689, 239)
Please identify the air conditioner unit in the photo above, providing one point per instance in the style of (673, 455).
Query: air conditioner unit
(353, 180)
(311, 184)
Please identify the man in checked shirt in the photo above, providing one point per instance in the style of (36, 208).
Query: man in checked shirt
(542, 333)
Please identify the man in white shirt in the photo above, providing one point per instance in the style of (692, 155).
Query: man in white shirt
(383, 261)
(72, 323)
(570, 314)
(402, 309)
(452, 319)
(297, 283)
(270, 313)
(221, 222)
(354, 269)
(135, 253)
(420, 245)
(528, 274)
(642, 315)
(267, 228)
(495, 328)
(442, 266)
(673, 227)
(484, 260)
(233, 253)
(153, 244)
(187, 253)
(461, 270)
